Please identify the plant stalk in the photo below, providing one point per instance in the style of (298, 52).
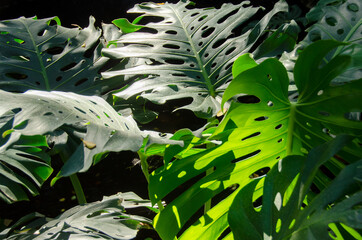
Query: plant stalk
(78, 189)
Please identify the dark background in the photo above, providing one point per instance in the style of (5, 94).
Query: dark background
(77, 12)
(117, 173)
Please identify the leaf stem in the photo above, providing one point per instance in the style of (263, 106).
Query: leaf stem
(77, 186)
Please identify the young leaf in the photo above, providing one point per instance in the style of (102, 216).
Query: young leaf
(284, 216)
(188, 53)
(258, 131)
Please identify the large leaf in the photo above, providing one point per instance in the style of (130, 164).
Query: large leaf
(283, 214)
(255, 136)
(89, 119)
(36, 54)
(106, 219)
(337, 20)
(189, 53)
(26, 157)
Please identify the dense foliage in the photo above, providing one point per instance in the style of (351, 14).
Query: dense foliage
(283, 162)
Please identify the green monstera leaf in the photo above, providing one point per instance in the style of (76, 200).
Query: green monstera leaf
(337, 20)
(106, 219)
(189, 53)
(254, 136)
(25, 156)
(334, 213)
(37, 54)
(97, 127)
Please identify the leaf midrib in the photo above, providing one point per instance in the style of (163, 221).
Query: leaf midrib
(42, 68)
(209, 85)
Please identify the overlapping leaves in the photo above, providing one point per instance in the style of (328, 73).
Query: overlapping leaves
(106, 219)
(28, 157)
(42, 55)
(257, 135)
(284, 215)
(189, 53)
(88, 119)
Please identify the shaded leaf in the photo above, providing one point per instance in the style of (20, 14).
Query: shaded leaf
(36, 54)
(106, 219)
(283, 215)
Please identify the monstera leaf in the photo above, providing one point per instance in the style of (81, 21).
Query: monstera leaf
(189, 53)
(337, 20)
(283, 215)
(106, 219)
(26, 156)
(90, 119)
(36, 54)
(255, 136)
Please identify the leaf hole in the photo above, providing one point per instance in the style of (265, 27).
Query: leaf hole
(69, 66)
(248, 99)
(80, 82)
(223, 19)
(80, 110)
(269, 77)
(179, 74)
(246, 156)
(208, 32)
(279, 126)
(58, 78)
(202, 18)
(251, 135)
(175, 61)
(262, 118)
(48, 114)
(194, 14)
(54, 50)
(16, 76)
(230, 50)
(307, 137)
(171, 46)
(200, 44)
(340, 31)
(206, 55)
(228, 66)
(224, 194)
(125, 124)
(192, 65)
(320, 92)
(90, 51)
(213, 64)
(280, 140)
(192, 28)
(171, 32)
(218, 43)
(259, 173)
(315, 36)
(331, 21)
(353, 7)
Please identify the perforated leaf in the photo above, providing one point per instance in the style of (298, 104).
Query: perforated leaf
(89, 119)
(255, 135)
(334, 212)
(189, 53)
(106, 219)
(25, 156)
(37, 54)
(337, 20)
